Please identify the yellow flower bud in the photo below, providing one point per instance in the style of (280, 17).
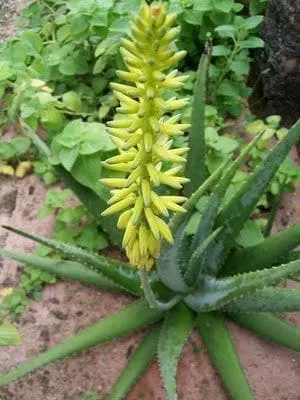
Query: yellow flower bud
(121, 194)
(37, 83)
(125, 89)
(121, 205)
(146, 192)
(143, 239)
(164, 230)
(7, 170)
(124, 219)
(124, 167)
(158, 203)
(153, 174)
(130, 233)
(137, 210)
(22, 168)
(120, 123)
(152, 222)
(114, 182)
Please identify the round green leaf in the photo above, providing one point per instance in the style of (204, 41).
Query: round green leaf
(72, 101)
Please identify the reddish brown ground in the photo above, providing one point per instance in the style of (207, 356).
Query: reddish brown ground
(67, 307)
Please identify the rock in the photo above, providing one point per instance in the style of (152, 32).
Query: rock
(281, 61)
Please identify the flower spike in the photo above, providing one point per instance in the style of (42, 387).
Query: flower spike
(144, 135)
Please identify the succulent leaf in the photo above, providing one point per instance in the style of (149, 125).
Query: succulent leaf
(275, 202)
(211, 211)
(292, 256)
(195, 166)
(271, 251)
(270, 327)
(176, 329)
(65, 269)
(191, 270)
(151, 297)
(121, 323)
(123, 276)
(239, 208)
(190, 204)
(168, 264)
(215, 293)
(266, 300)
(218, 343)
(137, 364)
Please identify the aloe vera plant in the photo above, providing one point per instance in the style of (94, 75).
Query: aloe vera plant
(197, 281)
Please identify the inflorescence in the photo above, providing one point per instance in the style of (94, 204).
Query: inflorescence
(143, 131)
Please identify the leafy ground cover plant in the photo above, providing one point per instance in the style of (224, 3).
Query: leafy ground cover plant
(9, 335)
(202, 278)
(43, 82)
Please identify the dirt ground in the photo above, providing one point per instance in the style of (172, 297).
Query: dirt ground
(8, 11)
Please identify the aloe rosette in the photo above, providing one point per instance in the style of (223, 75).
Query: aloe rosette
(201, 279)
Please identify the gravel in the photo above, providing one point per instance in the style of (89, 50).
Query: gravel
(8, 11)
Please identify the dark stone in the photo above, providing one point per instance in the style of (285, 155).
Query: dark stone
(54, 300)
(8, 202)
(129, 352)
(59, 314)
(281, 60)
(45, 335)
(7, 282)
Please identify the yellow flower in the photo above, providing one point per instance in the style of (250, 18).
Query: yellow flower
(143, 133)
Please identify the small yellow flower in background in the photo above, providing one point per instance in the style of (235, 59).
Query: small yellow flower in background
(6, 169)
(22, 168)
(143, 131)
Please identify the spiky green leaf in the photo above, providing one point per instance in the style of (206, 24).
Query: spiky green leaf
(65, 269)
(176, 329)
(168, 265)
(193, 265)
(137, 364)
(215, 293)
(9, 335)
(270, 327)
(118, 272)
(218, 342)
(190, 205)
(153, 297)
(239, 208)
(184, 251)
(121, 323)
(171, 254)
(211, 210)
(275, 202)
(195, 166)
(267, 300)
(264, 255)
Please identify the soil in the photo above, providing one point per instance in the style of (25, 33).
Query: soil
(8, 11)
(67, 307)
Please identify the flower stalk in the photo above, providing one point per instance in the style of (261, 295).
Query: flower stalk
(143, 131)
